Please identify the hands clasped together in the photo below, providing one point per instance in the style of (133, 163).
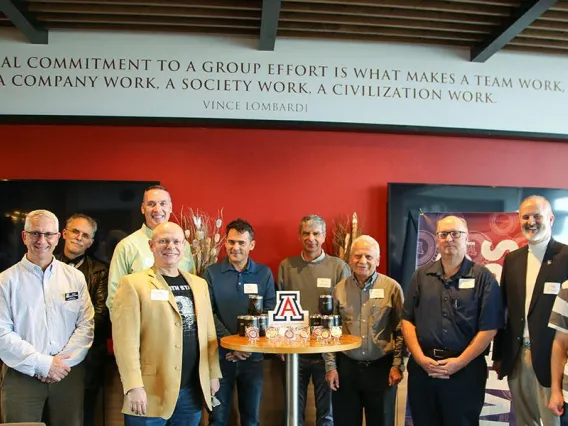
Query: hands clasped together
(58, 371)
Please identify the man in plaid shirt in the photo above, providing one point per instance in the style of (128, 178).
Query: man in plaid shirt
(559, 367)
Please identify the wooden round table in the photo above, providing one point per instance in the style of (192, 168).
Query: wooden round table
(292, 351)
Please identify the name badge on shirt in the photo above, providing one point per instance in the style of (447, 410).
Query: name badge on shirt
(74, 295)
(551, 288)
(377, 293)
(324, 282)
(251, 288)
(467, 283)
(160, 295)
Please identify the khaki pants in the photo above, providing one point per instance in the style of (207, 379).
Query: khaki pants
(23, 398)
(530, 399)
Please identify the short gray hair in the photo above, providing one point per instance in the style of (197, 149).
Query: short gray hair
(92, 222)
(39, 213)
(312, 219)
(367, 239)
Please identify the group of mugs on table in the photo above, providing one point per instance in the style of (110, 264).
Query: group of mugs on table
(324, 327)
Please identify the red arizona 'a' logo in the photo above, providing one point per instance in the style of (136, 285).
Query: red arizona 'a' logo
(288, 308)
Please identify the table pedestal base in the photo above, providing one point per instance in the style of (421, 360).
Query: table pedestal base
(292, 380)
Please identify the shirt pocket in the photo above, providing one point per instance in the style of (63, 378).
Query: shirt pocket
(71, 306)
(380, 321)
(466, 305)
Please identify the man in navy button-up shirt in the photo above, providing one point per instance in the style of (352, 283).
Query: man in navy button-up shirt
(231, 282)
(452, 311)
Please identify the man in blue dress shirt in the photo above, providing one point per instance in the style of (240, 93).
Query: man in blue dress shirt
(46, 330)
(231, 282)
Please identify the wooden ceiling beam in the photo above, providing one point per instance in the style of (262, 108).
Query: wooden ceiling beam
(545, 35)
(556, 44)
(550, 26)
(430, 5)
(500, 3)
(242, 32)
(552, 15)
(146, 20)
(269, 24)
(520, 19)
(399, 22)
(352, 29)
(541, 50)
(217, 4)
(142, 11)
(373, 38)
(386, 12)
(16, 12)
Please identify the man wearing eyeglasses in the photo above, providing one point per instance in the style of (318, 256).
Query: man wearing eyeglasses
(133, 254)
(452, 311)
(46, 330)
(79, 235)
(164, 338)
(532, 277)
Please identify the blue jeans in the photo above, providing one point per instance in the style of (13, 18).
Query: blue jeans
(313, 366)
(186, 413)
(248, 377)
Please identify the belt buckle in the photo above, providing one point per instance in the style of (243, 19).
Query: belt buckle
(364, 363)
(437, 353)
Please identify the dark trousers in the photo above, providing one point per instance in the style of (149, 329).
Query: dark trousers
(456, 401)
(23, 398)
(248, 376)
(95, 373)
(313, 366)
(362, 386)
(564, 416)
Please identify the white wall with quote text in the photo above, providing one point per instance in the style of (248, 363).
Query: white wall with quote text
(183, 76)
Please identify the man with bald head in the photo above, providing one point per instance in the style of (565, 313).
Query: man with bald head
(132, 254)
(532, 277)
(370, 305)
(452, 311)
(164, 338)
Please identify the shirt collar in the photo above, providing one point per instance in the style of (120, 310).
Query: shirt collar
(146, 231)
(369, 282)
(465, 271)
(316, 260)
(73, 262)
(539, 248)
(34, 268)
(249, 268)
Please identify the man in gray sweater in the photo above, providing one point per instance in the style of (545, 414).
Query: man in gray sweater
(312, 273)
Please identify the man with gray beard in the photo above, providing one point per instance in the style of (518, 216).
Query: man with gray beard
(531, 279)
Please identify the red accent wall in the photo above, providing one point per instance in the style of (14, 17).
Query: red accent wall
(273, 177)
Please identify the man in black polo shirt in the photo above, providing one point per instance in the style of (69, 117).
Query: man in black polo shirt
(452, 311)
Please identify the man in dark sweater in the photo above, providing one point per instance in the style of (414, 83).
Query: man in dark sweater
(79, 234)
(230, 284)
(312, 273)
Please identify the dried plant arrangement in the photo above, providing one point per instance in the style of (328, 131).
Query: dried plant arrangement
(204, 234)
(345, 230)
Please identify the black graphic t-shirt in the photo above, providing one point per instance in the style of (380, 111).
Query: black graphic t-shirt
(190, 354)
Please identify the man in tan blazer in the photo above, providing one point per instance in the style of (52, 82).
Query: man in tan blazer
(164, 339)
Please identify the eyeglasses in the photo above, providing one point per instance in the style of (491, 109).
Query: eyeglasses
(454, 234)
(78, 234)
(36, 235)
(166, 242)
